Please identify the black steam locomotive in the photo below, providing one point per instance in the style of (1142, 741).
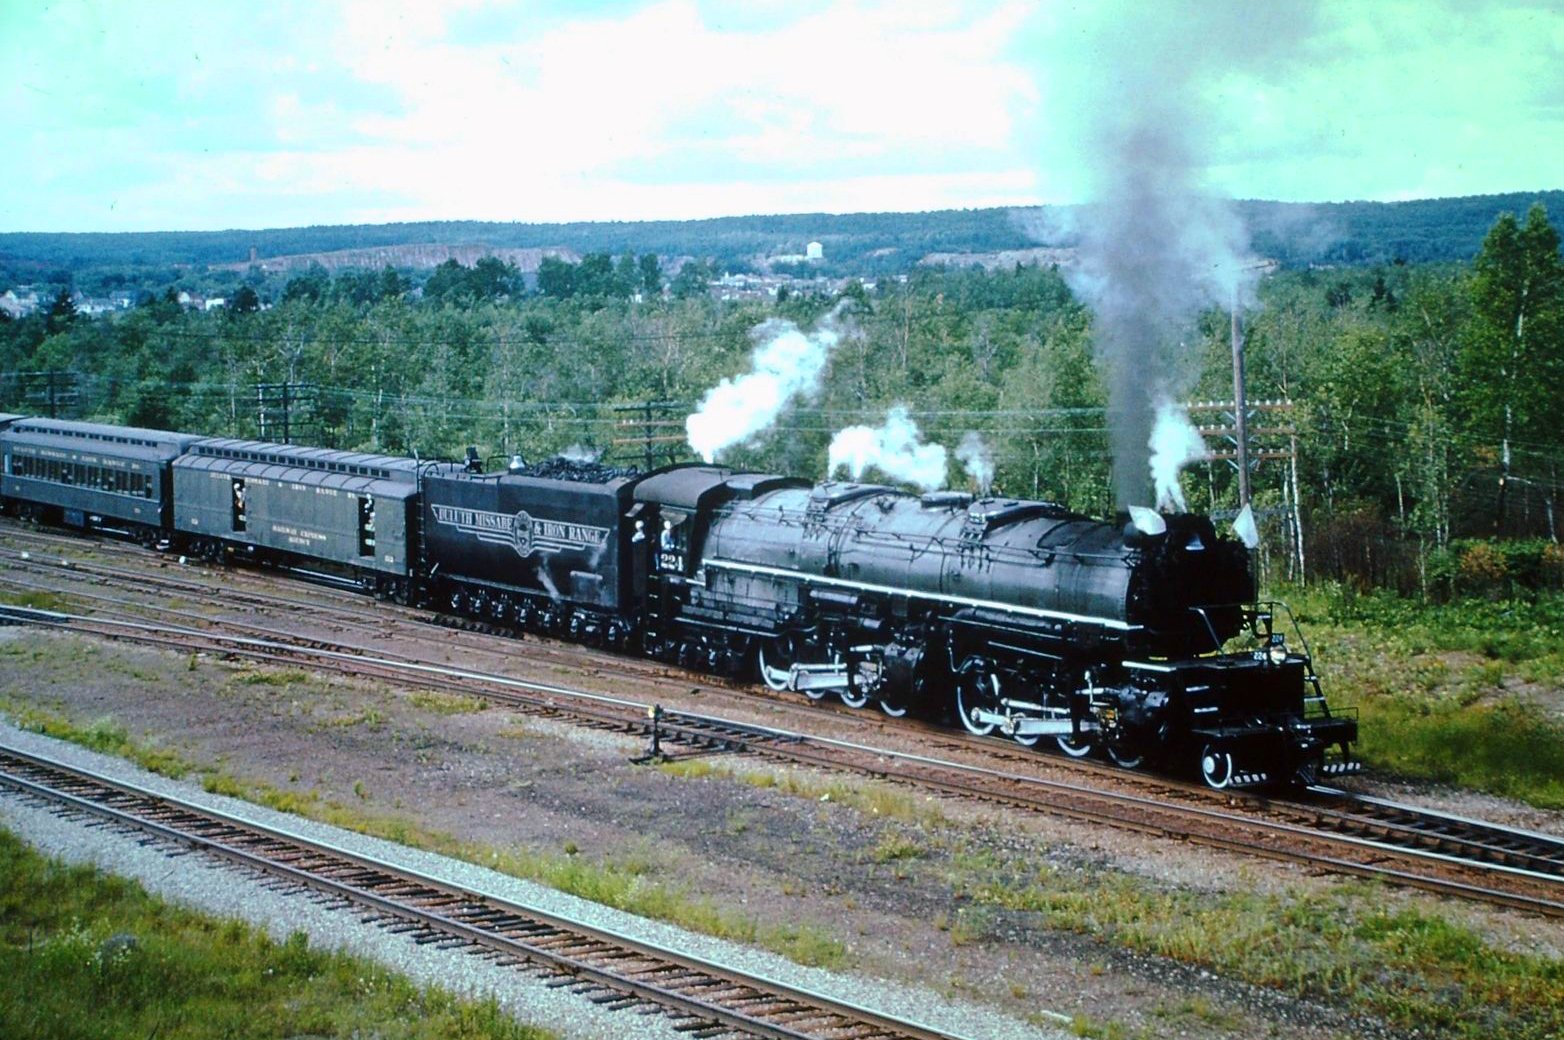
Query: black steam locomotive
(1019, 618)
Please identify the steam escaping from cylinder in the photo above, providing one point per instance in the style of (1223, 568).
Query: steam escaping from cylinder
(1174, 444)
(787, 364)
(895, 448)
(580, 453)
(973, 453)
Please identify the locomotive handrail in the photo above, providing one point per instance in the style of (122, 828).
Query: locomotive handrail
(1292, 622)
(803, 577)
(872, 534)
(1200, 612)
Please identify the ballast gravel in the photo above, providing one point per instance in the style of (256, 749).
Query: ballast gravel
(225, 891)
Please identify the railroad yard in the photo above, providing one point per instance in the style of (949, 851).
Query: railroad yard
(974, 886)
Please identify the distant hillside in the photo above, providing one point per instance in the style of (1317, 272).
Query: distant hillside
(855, 243)
(416, 257)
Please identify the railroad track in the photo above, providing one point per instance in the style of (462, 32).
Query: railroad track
(234, 589)
(701, 998)
(1405, 846)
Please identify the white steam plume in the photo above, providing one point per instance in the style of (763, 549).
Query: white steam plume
(896, 449)
(1174, 444)
(1157, 243)
(787, 363)
(973, 453)
(580, 453)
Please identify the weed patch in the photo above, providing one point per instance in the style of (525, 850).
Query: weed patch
(35, 599)
(86, 955)
(868, 796)
(1433, 682)
(271, 677)
(1417, 971)
(447, 703)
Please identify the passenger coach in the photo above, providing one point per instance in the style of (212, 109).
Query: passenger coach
(88, 475)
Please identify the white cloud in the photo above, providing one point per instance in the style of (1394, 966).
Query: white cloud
(352, 110)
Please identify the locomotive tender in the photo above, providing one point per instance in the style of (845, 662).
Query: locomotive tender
(1020, 618)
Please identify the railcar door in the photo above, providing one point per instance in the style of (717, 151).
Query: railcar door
(659, 555)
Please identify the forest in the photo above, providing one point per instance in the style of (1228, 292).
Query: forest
(1416, 444)
(856, 244)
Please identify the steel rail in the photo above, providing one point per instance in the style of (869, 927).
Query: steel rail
(481, 921)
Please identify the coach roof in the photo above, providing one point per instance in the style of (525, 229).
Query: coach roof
(292, 456)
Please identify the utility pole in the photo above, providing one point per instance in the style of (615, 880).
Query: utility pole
(656, 416)
(275, 403)
(1240, 407)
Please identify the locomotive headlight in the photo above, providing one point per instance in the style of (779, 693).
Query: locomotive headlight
(1278, 653)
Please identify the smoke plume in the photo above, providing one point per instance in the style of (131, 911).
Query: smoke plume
(896, 449)
(973, 453)
(580, 453)
(1174, 443)
(1156, 241)
(787, 363)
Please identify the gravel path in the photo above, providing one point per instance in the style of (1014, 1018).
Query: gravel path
(226, 892)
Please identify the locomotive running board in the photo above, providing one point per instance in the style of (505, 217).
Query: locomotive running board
(1031, 727)
(817, 677)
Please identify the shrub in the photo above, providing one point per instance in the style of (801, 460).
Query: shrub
(1483, 570)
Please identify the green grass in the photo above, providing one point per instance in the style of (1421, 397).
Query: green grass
(1453, 693)
(1344, 946)
(1507, 748)
(85, 955)
(271, 677)
(868, 796)
(35, 600)
(447, 703)
(104, 735)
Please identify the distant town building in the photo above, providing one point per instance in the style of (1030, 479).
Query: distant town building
(814, 251)
(19, 302)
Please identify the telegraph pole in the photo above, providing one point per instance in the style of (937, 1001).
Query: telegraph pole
(1240, 407)
(656, 416)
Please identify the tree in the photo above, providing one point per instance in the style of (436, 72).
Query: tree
(245, 301)
(651, 276)
(557, 278)
(494, 279)
(62, 312)
(595, 275)
(312, 285)
(1513, 361)
(392, 285)
(447, 282)
(692, 280)
(626, 277)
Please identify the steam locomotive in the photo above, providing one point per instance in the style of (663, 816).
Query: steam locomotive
(1019, 618)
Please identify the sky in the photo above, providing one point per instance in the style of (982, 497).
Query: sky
(209, 114)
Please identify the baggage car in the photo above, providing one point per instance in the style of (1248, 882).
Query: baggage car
(342, 513)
